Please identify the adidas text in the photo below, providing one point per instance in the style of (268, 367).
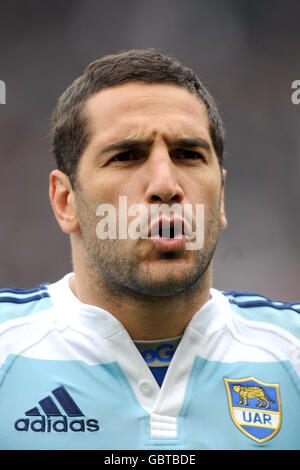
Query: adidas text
(59, 425)
(52, 405)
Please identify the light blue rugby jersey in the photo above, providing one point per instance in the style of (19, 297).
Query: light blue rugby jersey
(72, 378)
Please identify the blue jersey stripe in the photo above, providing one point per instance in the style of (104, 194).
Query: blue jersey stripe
(21, 296)
(265, 303)
(260, 302)
(20, 300)
(18, 290)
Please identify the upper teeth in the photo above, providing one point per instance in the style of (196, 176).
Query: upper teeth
(169, 230)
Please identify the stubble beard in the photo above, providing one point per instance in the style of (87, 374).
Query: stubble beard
(123, 272)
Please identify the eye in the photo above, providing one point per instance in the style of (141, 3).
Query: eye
(123, 157)
(188, 154)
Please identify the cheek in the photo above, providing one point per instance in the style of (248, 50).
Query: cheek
(207, 192)
(210, 196)
(99, 192)
(109, 188)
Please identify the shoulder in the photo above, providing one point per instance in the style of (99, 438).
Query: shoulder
(27, 317)
(260, 309)
(270, 328)
(16, 303)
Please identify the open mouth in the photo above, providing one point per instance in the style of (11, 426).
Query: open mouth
(168, 229)
(168, 235)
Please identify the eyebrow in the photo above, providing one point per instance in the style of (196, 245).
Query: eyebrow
(126, 144)
(186, 142)
(192, 143)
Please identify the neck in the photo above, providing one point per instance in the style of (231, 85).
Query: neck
(144, 317)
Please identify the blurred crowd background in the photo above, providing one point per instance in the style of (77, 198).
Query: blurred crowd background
(246, 53)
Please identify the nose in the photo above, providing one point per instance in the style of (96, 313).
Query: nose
(162, 178)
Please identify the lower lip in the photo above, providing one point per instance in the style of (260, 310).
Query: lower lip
(169, 244)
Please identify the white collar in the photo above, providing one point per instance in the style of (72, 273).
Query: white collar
(214, 314)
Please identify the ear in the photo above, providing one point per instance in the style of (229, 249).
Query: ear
(223, 218)
(62, 200)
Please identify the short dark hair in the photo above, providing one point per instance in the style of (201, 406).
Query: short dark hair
(69, 129)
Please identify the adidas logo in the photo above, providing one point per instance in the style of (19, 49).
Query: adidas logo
(52, 408)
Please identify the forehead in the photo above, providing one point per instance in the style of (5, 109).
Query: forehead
(139, 109)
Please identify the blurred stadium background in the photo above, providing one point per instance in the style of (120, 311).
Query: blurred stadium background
(247, 54)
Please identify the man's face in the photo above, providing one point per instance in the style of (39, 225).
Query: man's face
(151, 144)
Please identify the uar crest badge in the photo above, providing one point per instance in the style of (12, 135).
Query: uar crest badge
(255, 407)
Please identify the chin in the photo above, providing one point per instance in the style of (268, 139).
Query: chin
(166, 283)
